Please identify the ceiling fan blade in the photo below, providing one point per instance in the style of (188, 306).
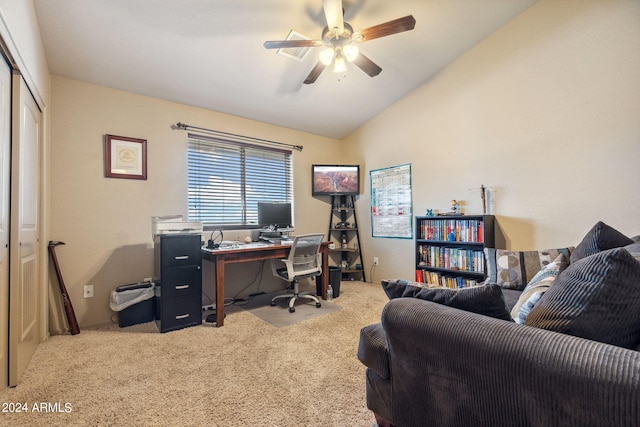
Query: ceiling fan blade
(280, 44)
(333, 13)
(367, 65)
(386, 29)
(315, 73)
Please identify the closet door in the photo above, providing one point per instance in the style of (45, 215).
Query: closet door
(5, 147)
(25, 289)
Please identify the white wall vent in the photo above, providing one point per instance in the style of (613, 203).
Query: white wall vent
(297, 53)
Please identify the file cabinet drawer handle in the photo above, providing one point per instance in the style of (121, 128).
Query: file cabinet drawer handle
(182, 316)
(181, 257)
(180, 287)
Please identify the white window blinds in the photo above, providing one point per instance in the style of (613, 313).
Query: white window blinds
(227, 179)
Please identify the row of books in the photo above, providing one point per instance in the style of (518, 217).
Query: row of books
(452, 230)
(445, 281)
(451, 258)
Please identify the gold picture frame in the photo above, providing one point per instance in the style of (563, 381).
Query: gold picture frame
(125, 157)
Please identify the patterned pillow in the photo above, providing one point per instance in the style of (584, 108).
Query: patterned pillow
(486, 300)
(513, 269)
(596, 298)
(525, 308)
(600, 238)
(536, 287)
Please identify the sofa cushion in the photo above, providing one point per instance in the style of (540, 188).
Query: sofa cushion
(536, 287)
(486, 300)
(514, 269)
(600, 238)
(510, 297)
(596, 298)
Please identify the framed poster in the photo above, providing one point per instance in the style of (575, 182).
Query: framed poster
(391, 205)
(125, 157)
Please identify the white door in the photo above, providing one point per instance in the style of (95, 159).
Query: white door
(25, 289)
(5, 146)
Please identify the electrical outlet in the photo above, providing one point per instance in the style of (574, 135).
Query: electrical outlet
(88, 291)
(375, 260)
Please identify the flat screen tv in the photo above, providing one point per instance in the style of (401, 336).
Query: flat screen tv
(274, 214)
(335, 180)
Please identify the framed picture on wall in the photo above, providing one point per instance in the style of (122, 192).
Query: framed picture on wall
(125, 157)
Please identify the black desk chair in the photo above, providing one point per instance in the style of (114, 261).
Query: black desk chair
(304, 261)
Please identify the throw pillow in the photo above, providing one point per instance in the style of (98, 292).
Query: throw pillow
(600, 238)
(525, 308)
(536, 287)
(486, 300)
(514, 269)
(596, 297)
(634, 250)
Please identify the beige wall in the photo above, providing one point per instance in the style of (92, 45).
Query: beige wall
(105, 222)
(546, 111)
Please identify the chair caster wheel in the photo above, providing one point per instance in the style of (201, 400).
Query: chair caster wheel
(318, 305)
(292, 309)
(273, 303)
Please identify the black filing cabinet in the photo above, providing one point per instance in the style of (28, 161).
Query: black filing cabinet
(178, 276)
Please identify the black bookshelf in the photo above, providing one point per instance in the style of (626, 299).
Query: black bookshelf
(449, 249)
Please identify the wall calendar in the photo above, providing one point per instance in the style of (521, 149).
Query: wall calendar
(391, 205)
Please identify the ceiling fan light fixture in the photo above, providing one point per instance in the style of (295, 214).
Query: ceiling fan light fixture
(326, 56)
(339, 66)
(350, 52)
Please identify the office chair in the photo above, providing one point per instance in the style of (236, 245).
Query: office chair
(304, 261)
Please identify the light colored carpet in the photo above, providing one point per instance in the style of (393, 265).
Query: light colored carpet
(247, 373)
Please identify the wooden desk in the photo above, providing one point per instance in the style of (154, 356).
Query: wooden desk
(253, 252)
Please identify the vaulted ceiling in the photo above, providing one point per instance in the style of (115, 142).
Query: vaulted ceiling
(210, 54)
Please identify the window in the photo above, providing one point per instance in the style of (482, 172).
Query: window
(227, 179)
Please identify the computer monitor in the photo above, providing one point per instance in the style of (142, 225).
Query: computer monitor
(274, 214)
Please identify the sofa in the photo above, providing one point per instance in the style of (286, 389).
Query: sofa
(558, 347)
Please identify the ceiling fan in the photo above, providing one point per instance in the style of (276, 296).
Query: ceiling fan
(340, 41)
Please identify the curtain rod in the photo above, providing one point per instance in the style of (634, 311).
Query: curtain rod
(227, 134)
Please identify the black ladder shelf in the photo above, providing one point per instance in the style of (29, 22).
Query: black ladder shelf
(343, 232)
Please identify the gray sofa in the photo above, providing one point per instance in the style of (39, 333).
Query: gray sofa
(432, 364)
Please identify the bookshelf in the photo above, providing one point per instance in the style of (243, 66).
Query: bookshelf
(343, 233)
(450, 249)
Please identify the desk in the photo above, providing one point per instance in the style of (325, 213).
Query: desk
(253, 252)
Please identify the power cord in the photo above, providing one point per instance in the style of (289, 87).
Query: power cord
(258, 292)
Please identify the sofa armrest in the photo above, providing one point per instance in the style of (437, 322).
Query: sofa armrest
(467, 369)
(372, 350)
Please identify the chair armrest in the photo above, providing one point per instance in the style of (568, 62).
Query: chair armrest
(282, 262)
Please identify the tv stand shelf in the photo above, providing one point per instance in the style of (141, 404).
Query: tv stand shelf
(343, 233)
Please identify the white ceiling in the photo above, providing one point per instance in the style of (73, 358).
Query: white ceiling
(209, 53)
